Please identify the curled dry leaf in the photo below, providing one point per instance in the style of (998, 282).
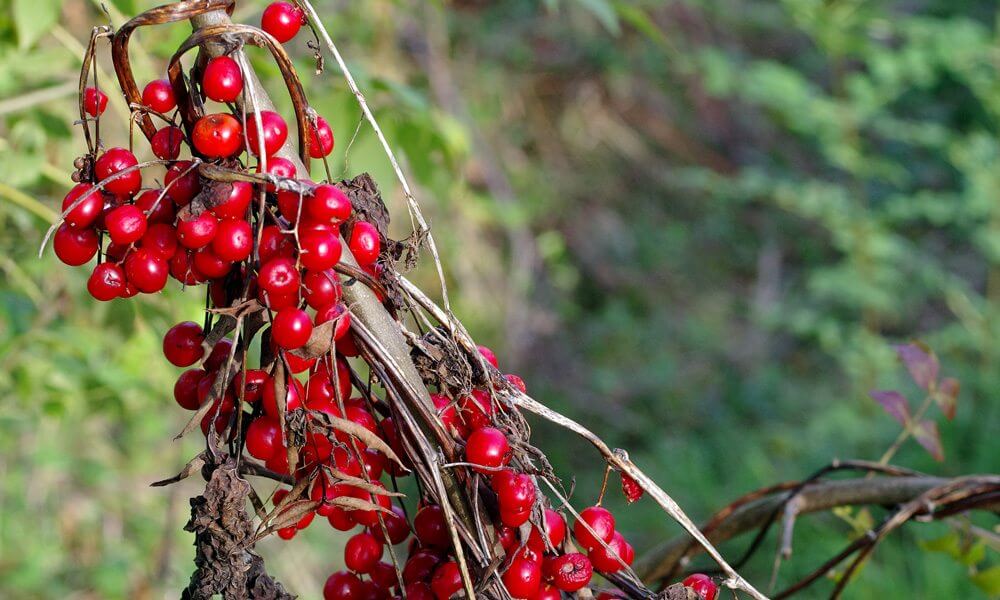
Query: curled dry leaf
(320, 342)
(367, 437)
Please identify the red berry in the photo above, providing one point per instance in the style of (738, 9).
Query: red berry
(235, 204)
(279, 276)
(182, 182)
(182, 344)
(274, 244)
(89, 208)
(113, 162)
(364, 243)
(159, 96)
(606, 560)
(219, 354)
(263, 438)
(217, 136)
(320, 139)
(362, 552)
(523, 576)
(328, 204)
(555, 531)
(339, 313)
(233, 240)
(477, 410)
(74, 247)
(600, 520)
(515, 491)
(275, 133)
(487, 447)
(94, 101)
(342, 585)
(186, 388)
(569, 572)
(321, 288)
(383, 575)
(396, 524)
(517, 382)
(419, 591)
(430, 527)
(369, 518)
(106, 282)
(160, 239)
(279, 167)
(702, 585)
(182, 269)
(294, 393)
(125, 224)
(319, 250)
(166, 142)
(547, 592)
(420, 566)
(197, 232)
(222, 80)
(489, 356)
(447, 580)
(146, 270)
(282, 20)
(448, 414)
(209, 265)
(251, 382)
(291, 328)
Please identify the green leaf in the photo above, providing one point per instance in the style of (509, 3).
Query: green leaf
(603, 12)
(988, 580)
(33, 18)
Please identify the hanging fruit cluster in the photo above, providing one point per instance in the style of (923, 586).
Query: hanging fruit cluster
(238, 212)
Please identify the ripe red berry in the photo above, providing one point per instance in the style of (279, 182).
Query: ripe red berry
(319, 250)
(321, 288)
(233, 240)
(159, 96)
(166, 142)
(263, 438)
(182, 344)
(702, 585)
(447, 580)
(362, 552)
(94, 101)
(160, 239)
(555, 531)
(327, 205)
(278, 167)
(364, 243)
(448, 414)
(74, 247)
(234, 205)
(146, 270)
(396, 524)
(219, 354)
(209, 265)
(336, 312)
(186, 388)
(250, 384)
(477, 410)
(282, 20)
(106, 282)
(523, 576)
(430, 527)
(517, 382)
(275, 133)
(369, 518)
(125, 224)
(291, 328)
(279, 276)
(294, 393)
(320, 139)
(197, 232)
(91, 203)
(113, 162)
(489, 355)
(383, 575)
(600, 520)
(420, 566)
(182, 182)
(342, 585)
(217, 136)
(569, 572)
(487, 447)
(515, 492)
(547, 592)
(222, 80)
(606, 560)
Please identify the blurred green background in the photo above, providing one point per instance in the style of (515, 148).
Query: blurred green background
(697, 226)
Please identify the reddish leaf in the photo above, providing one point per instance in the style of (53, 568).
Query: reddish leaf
(920, 362)
(926, 433)
(894, 403)
(946, 396)
(631, 488)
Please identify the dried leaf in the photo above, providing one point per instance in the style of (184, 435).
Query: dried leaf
(631, 488)
(894, 403)
(195, 464)
(367, 437)
(920, 362)
(291, 515)
(926, 434)
(349, 503)
(946, 396)
(319, 342)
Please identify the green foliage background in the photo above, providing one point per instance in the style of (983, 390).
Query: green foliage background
(695, 225)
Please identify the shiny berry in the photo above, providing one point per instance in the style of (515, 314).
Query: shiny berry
(294, 393)
(263, 438)
(364, 243)
(328, 204)
(94, 101)
(159, 96)
(166, 142)
(209, 265)
(487, 447)
(396, 524)
(222, 80)
(74, 247)
(447, 580)
(275, 133)
(197, 232)
(236, 202)
(569, 572)
(89, 208)
(282, 20)
(523, 576)
(186, 388)
(320, 139)
(279, 276)
(182, 344)
(160, 239)
(106, 282)
(702, 585)
(125, 224)
(362, 552)
(321, 288)
(477, 410)
(515, 491)
(600, 520)
(233, 240)
(146, 270)
(430, 527)
(319, 250)
(342, 585)
(182, 182)
(217, 136)
(489, 355)
(291, 328)
(113, 162)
